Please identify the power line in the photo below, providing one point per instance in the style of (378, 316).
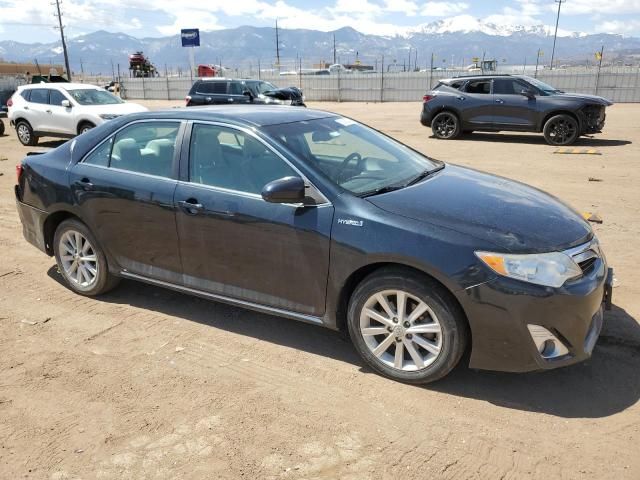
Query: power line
(64, 43)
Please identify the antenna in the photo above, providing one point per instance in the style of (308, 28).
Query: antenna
(64, 43)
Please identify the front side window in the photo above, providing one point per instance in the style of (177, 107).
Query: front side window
(56, 97)
(90, 96)
(146, 147)
(231, 159)
(39, 95)
(479, 86)
(507, 86)
(351, 155)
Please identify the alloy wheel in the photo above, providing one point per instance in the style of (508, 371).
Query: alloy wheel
(445, 126)
(24, 134)
(78, 259)
(401, 330)
(561, 131)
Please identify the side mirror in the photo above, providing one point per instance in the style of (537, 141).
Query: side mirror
(527, 92)
(248, 93)
(284, 190)
(66, 103)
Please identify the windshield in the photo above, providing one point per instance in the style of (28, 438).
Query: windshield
(90, 96)
(262, 87)
(546, 88)
(353, 156)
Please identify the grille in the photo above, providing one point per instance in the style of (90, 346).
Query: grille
(587, 265)
(585, 256)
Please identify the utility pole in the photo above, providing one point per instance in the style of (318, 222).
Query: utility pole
(277, 46)
(64, 43)
(334, 48)
(555, 35)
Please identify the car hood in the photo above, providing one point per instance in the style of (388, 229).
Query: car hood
(511, 215)
(288, 93)
(115, 108)
(587, 98)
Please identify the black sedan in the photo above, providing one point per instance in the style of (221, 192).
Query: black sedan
(514, 103)
(315, 217)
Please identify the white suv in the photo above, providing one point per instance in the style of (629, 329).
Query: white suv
(62, 110)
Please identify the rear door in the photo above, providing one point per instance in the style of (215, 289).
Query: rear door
(235, 244)
(477, 107)
(37, 110)
(511, 109)
(124, 189)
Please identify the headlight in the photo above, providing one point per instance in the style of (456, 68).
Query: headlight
(276, 101)
(548, 269)
(108, 116)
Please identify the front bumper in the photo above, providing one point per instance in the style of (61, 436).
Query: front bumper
(500, 310)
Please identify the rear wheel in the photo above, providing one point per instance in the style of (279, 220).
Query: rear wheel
(25, 134)
(561, 130)
(445, 125)
(1, 127)
(85, 127)
(80, 259)
(405, 326)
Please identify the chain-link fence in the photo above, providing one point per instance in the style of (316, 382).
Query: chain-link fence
(617, 84)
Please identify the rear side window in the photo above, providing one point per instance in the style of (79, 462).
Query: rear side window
(146, 147)
(25, 94)
(56, 98)
(39, 95)
(212, 87)
(479, 86)
(456, 85)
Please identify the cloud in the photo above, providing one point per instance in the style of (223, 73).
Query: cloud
(443, 9)
(610, 7)
(619, 26)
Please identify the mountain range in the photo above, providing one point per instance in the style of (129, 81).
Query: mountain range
(243, 46)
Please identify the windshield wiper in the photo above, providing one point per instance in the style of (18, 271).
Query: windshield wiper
(423, 175)
(392, 188)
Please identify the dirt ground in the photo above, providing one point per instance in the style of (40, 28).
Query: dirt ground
(147, 383)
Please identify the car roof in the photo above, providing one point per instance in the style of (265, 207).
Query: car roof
(63, 86)
(480, 77)
(241, 115)
(224, 79)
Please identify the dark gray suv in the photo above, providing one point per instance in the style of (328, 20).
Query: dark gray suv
(511, 102)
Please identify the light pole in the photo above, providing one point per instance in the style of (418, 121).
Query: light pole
(64, 43)
(555, 35)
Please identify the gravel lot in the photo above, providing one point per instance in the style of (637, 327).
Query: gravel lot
(147, 383)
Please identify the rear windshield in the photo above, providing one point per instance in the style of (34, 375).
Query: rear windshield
(211, 87)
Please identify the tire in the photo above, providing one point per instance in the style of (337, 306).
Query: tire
(85, 127)
(561, 130)
(445, 125)
(96, 279)
(1, 128)
(441, 327)
(25, 134)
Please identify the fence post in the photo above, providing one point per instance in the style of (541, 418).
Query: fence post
(144, 90)
(599, 67)
(382, 81)
(339, 92)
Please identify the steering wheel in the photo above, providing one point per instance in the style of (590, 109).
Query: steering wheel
(345, 164)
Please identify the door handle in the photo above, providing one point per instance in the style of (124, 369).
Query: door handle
(191, 206)
(85, 184)
(208, 99)
(459, 98)
(499, 100)
(229, 99)
(26, 107)
(48, 111)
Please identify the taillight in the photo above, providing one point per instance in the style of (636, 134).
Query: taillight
(10, 102)
(187, 99)
(428, 97)
(19, 171)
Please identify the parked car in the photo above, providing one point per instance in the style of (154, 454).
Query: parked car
(5, 95)
(315, 217)
(511, 102)
(63, 110)
(225, 91)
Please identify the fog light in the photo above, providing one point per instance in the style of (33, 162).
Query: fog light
(546, 342)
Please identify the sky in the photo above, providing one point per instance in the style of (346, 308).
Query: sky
(31, 21)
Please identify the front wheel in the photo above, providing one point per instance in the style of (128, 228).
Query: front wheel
(406, 327)
(561, 130)
(81, 261)
(445, 126)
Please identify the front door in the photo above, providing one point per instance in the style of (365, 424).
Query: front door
(511, 109)
(235, 244)
(124, 190)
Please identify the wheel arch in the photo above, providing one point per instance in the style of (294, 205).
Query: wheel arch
(51, 224)
(81, 122)
(363, 272)
(560, 112)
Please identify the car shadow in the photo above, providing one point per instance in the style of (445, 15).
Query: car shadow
(538, 139)
(51, 143)
(606, 384)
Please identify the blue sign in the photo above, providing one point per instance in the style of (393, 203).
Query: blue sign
(190, 37)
